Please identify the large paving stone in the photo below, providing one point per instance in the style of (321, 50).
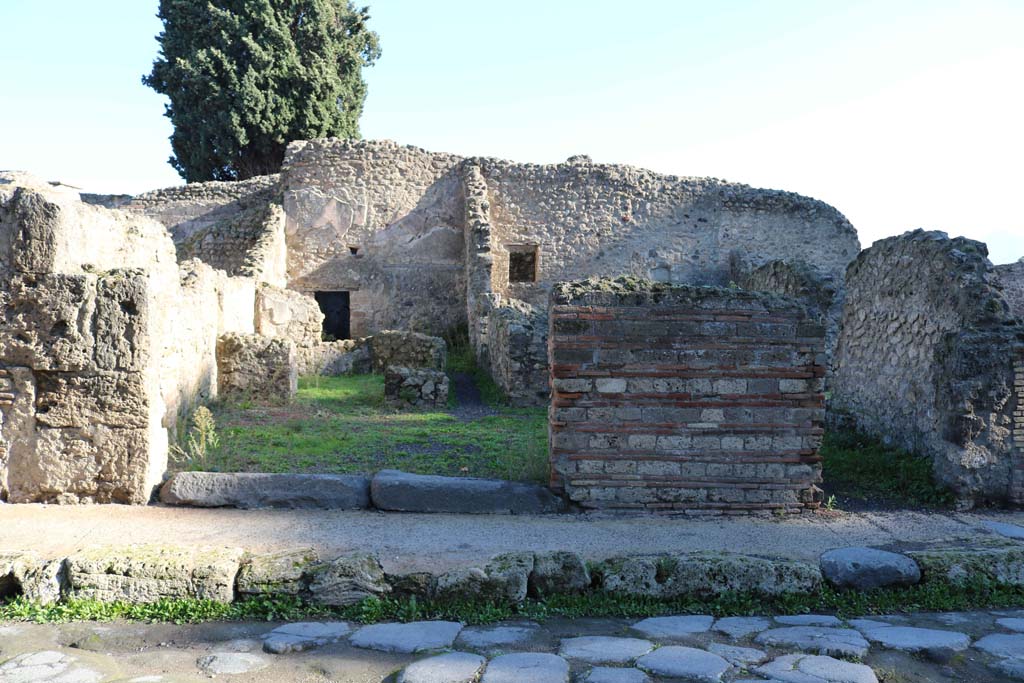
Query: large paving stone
(256, 490)
(233, 663)
(451, 667)
(843, 642)
(282, 573)
(816, 669)
(739, 656)
(304, 636)
(404, 492)
(809, 620)
(911, 639)
(1002, 644)
(1012, 623)
(867, 568)
(1012, 668)
(416, 636)
(687, 663)
(347, 580)
(608, 674)
(707, 574)
(45, 666)
(148, 573)
(740, 627)
(497, 636)
(527, 667)
(674, 627)
(1004, 529)
(604, 649)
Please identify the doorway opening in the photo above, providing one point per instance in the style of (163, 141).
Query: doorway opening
(337, 314)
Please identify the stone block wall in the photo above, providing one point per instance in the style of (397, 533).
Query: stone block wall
(684, 398)
(409, 349)
(925, 359)
(105, 343)
(419, 388)
(252, 366)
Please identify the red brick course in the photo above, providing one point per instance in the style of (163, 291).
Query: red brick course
(697, 399)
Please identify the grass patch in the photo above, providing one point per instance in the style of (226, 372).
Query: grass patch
(861, 467)
(340, 425)
(932, 596)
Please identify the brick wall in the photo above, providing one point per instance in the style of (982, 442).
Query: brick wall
(698, 399)
(1017, 478)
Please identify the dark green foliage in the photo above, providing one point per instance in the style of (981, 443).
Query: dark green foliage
(858, 466)
(246, 77)
(935, 596)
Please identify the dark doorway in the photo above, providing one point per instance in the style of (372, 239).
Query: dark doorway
(335, 307)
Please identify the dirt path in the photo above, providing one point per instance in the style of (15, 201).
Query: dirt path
(469, 403)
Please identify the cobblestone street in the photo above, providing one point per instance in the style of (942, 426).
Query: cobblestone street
(979, 647)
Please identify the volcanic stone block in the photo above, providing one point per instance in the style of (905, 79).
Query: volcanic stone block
(868, 568)
(148, 573)
(283, 573)
(403, 492)
(257, 490)
(46, 322)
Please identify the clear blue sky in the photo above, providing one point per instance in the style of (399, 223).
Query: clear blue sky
(900, 113)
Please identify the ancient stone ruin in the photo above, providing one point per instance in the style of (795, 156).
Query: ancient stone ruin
(120, 314)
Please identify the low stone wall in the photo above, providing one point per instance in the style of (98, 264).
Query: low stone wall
(925, 360)
(517, 351)
(701, 399)
(420, 388)
(288, 314)
(409, 349)
(251, 366)
(343, 357)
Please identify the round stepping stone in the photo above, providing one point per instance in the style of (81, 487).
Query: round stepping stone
(452, 667)
(687, 663)
(527, 667)
(740, 656)
(809, 620)
(816, 669)
(304, 636)
(674, 627)
(844, 642)
(910, 639)
(867, 568)
(486, 637)
(231, 663)
(1012, 623)
(1002, 644)
(606, 674)
(1004, 529)
(416, 636)
(604, 649)
(739, 627)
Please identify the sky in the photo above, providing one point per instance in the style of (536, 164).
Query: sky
(901, 114)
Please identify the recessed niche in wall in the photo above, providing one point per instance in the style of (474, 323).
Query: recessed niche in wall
(661, 274)
(522, 262)
(353, 250)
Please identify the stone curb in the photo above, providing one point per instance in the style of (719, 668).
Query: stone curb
(403, 492)
(149, 573)
(256, 490)
(389, 490)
